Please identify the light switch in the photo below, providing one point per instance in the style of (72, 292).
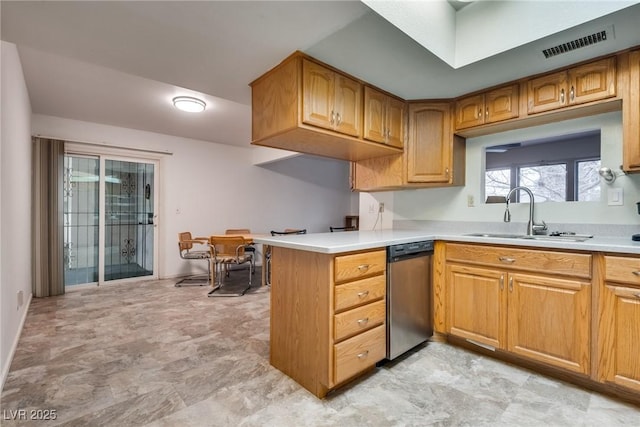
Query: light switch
(615, 197)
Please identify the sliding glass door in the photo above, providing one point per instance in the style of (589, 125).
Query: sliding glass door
(109, 219)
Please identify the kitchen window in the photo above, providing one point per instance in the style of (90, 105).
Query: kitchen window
(555, 169)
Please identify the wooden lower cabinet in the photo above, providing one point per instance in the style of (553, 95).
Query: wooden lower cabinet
(328, 315)
(619, 323)
(542, 317)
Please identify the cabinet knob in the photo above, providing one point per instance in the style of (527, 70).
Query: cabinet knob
(510, 284)
(486, 112)
(479, 113)
(572, 94)
(562, 96)
(339, 119)
(333, 117)
(363, 354)
(637, 273)
(501, 281)
(507, 259)
(363, 267)
(363, 294)
(363, 322)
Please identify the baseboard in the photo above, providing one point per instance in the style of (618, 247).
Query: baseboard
(14, 346)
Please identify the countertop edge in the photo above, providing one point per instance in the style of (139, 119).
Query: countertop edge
(333, 243)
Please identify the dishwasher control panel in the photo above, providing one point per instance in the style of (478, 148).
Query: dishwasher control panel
(409, 249)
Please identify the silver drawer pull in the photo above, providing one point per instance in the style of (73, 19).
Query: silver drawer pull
(637, 273)
(637, 295)
(363, 294)
(363, 355)
(364, 321)
(507, 259)
(363, 267)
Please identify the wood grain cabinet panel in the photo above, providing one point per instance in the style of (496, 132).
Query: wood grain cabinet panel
(328, 317)
(384, 118)
(492, 300)
(331, 100)
(306, 106)
(631, 115)
(354, 294)
(357, 320)
(489, 107)
(356, 266)
(358, 354)
(619, 320)
(560, 311)
(577, 85)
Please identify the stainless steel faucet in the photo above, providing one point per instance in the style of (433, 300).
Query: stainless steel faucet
(532, 226)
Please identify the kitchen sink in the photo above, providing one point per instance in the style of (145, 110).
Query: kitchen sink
(566, 238)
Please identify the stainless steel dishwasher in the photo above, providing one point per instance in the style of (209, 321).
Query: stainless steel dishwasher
(409, 300)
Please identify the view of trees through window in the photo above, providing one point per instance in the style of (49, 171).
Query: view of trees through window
(560, 169)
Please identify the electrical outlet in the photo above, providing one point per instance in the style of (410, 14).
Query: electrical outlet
(470, 202)
(381, 207)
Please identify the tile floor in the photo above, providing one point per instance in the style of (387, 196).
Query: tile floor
(152, 354)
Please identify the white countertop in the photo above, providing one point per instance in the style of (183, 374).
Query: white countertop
(347, 241)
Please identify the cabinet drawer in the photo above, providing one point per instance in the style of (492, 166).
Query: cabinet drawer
(356, 354)
(355, 266)
(622, 270)
(548, 262)
(359, 319)
(363, 291)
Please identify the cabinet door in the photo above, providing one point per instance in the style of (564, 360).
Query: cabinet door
(430, 143)
(549, 320)
(374, 115)
(348, 106)
(547, 92)
(631, 116)
(501, 104)
(318, 95)
(396, 119)
(378, 173)
(470, 111)
(619, 340)
(591, 82)
(476, 304)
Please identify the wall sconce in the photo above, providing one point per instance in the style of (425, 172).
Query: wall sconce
(189, 104)
(608, 175)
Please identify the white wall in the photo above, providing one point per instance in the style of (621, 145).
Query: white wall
(206, 187)
(15, 194)
(451, 204)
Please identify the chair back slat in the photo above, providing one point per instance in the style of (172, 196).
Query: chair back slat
(228, 246)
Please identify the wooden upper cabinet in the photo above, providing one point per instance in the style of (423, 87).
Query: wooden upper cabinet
(470, 111)
(331, 100)
(384, 118)
(306, 106)
(631, 115)
(577, 85)
(430, 143)
(489, 107)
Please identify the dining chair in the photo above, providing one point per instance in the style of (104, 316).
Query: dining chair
(194, 248)
(228, 250)
(249, 248)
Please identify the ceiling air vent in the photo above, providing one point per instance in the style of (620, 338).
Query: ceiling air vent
(585, 41)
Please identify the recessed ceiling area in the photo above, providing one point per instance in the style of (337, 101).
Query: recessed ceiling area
(122, 63)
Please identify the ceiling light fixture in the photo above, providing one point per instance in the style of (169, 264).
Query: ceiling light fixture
(189, 104)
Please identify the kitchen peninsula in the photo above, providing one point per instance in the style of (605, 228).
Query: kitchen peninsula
(324, 284)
